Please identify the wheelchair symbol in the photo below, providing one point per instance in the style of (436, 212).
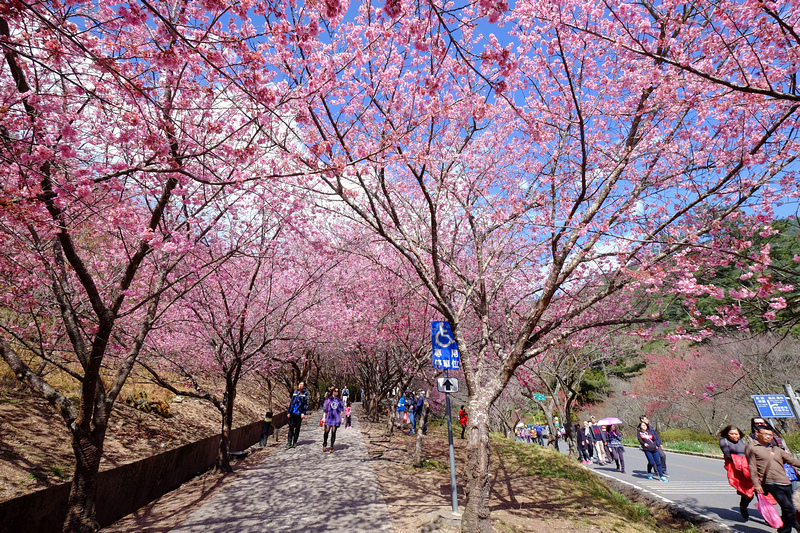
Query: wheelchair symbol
(443, 337)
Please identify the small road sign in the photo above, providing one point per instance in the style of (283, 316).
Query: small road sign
(447, 385)
(772, 406)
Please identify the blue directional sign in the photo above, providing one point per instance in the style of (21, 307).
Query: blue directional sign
(772, 406)
(445, 349)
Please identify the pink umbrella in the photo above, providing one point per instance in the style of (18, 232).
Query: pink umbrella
(608, 421)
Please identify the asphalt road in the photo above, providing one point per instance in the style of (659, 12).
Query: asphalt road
(696, 483)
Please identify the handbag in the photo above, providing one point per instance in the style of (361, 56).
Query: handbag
(405, 417)
(768, 512)
(789, 469)
(322, 421)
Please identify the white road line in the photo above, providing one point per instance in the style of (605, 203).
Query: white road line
(662, 498)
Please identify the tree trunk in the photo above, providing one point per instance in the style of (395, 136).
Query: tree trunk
(391, 418)
(476, 472)
(566, 417)
(418, 448)
(82, 503)
(551, 425)
(224, 453)
(374, 408)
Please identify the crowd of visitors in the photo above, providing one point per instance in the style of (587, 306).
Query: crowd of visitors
(539, 434)
(602, 443)
(409, 411)
(760, 465)
(335, 405)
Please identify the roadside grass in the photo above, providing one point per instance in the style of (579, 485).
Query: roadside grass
(694, 446)
(583, 488)
(793, 441)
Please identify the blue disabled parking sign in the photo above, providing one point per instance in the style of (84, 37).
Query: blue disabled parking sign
(445, 349)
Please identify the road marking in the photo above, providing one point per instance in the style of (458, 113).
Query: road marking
(689, 487)
(723, 525)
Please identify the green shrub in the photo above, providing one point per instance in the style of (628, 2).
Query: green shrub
(694, 446)
(793, 441)
(682, 435)
(684, 440)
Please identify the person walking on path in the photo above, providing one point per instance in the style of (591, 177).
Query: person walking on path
(768, 476)
(323, 399)
(599, 440)
(538, 429)
(583, 436)
(661, 454)
(462, 419)
(347, 417)
(616, 447)
(647, 440)
(401, 412)
(333, 419)
(411, 402)
(733, 445)
(297, 412)
(418, 410)
(345, 394)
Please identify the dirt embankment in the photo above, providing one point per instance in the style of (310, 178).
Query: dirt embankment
(35, 450)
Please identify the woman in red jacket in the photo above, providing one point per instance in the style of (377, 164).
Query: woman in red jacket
(732, 445)
(462, 419)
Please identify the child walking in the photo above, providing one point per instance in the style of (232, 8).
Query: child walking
(347, 416)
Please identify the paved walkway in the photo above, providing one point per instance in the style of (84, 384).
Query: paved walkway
(302, 490)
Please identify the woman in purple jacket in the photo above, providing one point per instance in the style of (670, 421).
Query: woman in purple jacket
(333, 418)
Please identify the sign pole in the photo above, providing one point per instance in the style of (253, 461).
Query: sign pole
(793, 401)
(452, 453)
(445, 356)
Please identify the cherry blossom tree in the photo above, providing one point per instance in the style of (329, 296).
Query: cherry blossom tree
(708, 385)
(122, 144)
(578, 154)
(246, 315)
(528, 184)
(379, 334)
(559, 374)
